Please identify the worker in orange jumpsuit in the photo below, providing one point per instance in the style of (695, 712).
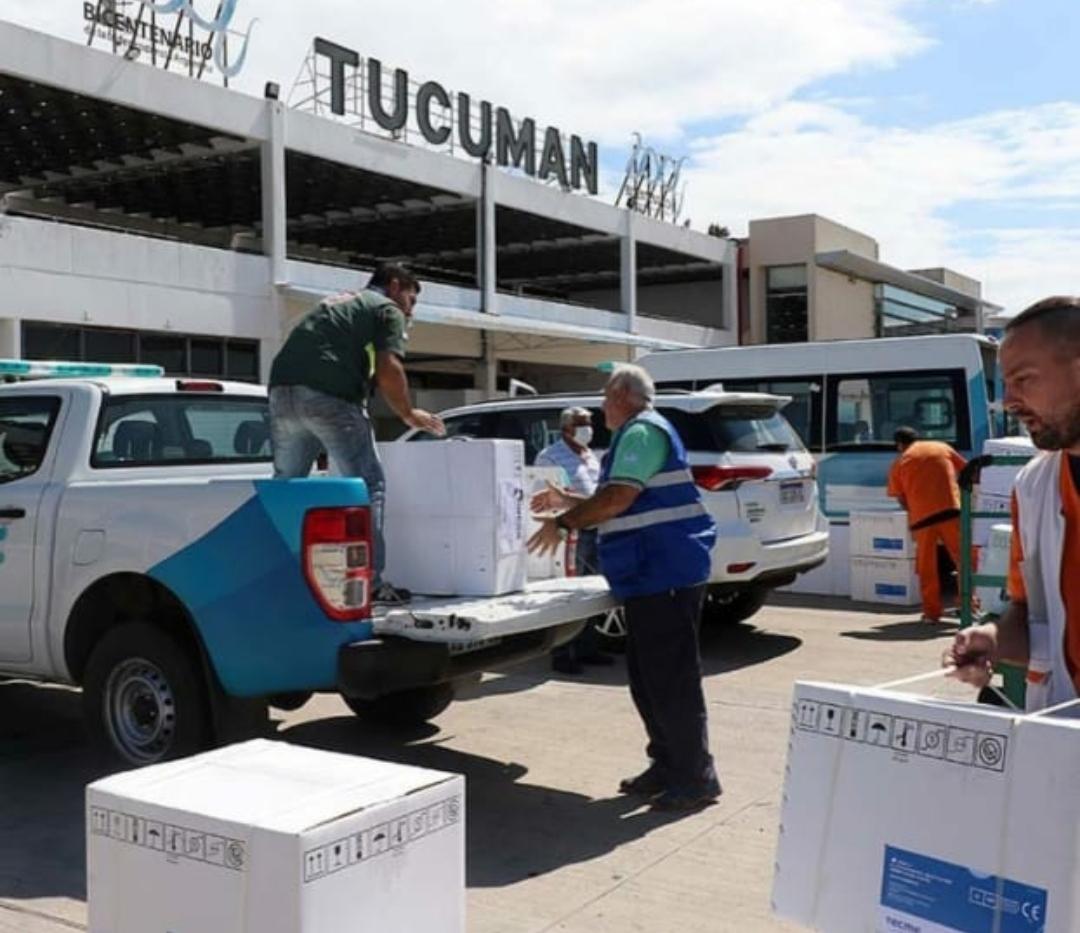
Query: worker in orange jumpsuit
(923, 479)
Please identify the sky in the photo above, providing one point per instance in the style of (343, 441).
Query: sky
(948, 130)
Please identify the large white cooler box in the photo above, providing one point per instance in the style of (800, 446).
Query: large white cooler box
(265, 837)
(455, 516)
(881, 534)
(884, 580)
(910, 815)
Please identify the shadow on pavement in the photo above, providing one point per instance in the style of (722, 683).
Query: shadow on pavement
(45, 765)
(514, 829)
(724, 648)
(906, 631)
(834, 604)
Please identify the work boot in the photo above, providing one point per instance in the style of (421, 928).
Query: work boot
(646, 784)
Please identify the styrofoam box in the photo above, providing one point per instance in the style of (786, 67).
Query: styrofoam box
(266, 837)
(988, 502)
(994, 561)
(552, 564)
(1010, 447)
(881, 580)
(998, 480)
(455, 516)
(909, 814)
(881, 534)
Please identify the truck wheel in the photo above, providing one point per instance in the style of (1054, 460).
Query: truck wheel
(731, 607)
(405, 708)
(143, 696)
(611, 629)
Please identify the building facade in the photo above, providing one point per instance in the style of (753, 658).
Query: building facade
(809, 278)
(149, 217)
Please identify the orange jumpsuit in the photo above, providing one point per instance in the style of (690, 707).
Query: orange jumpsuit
(924, 475)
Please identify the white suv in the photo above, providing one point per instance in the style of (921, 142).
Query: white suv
(756, 477)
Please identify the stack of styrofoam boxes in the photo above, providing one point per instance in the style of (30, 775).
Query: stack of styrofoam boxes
(455, 516)
(996, 484)
(883, 559)
(994, 561)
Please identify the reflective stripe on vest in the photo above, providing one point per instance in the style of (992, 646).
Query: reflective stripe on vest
(653, 517)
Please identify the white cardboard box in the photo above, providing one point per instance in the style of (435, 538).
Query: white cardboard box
(884, 580)
(881, 534)
(266, 837)
(908, 814)
(994, 560)
(552, 564)
(455, 516)
(1010, 447)
(998, 480)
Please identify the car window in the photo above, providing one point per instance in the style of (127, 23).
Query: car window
(26, 425)
(536, 427)
(178, 429)
(735, 429)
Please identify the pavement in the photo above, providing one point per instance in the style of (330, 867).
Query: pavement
(550, 844)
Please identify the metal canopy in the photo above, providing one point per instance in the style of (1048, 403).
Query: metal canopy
(870, 270)
(72, 157)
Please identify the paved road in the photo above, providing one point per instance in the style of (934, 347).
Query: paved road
(551, 846)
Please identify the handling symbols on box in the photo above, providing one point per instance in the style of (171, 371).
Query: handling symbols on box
(453, 810)
(961, 747)
(174, 840)
(314, 864)
(879, 730)
(380, 839)
(215, 850)
(339, 856)
(990, 752)
(830, 720)
(855, 725)
(194, 845)
(932, 740)
(806, 716)
(905, 734)
(99, 821)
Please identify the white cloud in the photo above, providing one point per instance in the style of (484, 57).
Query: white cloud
(906, 187)
(608, 67)
(600, 69)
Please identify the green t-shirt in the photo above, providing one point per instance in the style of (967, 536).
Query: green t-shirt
(333, 348)
(640, 454)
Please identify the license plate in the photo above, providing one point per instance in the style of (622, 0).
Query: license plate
(464, 647)
(792, 494)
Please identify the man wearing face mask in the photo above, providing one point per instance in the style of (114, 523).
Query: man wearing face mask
(1040, 629)
(572, 455)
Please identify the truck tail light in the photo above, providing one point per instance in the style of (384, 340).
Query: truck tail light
(715, 478)
(338, 565)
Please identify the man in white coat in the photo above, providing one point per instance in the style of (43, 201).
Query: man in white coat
(1040, 629)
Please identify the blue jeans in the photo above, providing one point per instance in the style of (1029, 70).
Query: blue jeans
(304, 422)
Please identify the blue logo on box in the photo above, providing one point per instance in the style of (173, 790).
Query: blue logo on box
(890, 589)
(888, 544)
(920, 888)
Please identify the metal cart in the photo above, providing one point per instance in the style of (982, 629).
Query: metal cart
(1012, 676)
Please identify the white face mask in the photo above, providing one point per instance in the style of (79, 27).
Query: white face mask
(583, 435)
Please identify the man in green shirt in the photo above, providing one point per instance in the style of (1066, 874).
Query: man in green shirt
(321, 380)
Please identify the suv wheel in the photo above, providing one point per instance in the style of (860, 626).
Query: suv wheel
(143, 696)
(611, 629)
(732, 606)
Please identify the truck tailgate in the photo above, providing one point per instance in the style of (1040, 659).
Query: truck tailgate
(455, 619)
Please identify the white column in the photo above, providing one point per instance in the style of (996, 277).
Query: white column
(628, 271)
(491, 366)
(485, 239)
(274, 220)
(10, 338)
(730, 316)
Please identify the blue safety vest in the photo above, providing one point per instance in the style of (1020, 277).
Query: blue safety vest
(663, 541)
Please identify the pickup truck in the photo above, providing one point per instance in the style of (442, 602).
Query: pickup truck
(148, 556)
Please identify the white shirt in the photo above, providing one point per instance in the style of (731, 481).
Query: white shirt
(582, 469)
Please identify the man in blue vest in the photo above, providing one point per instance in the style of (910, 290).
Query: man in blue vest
(655, 542)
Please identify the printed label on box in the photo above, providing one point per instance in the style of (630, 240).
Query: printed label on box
(888, 544)
(890, 589)
(920, 894)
